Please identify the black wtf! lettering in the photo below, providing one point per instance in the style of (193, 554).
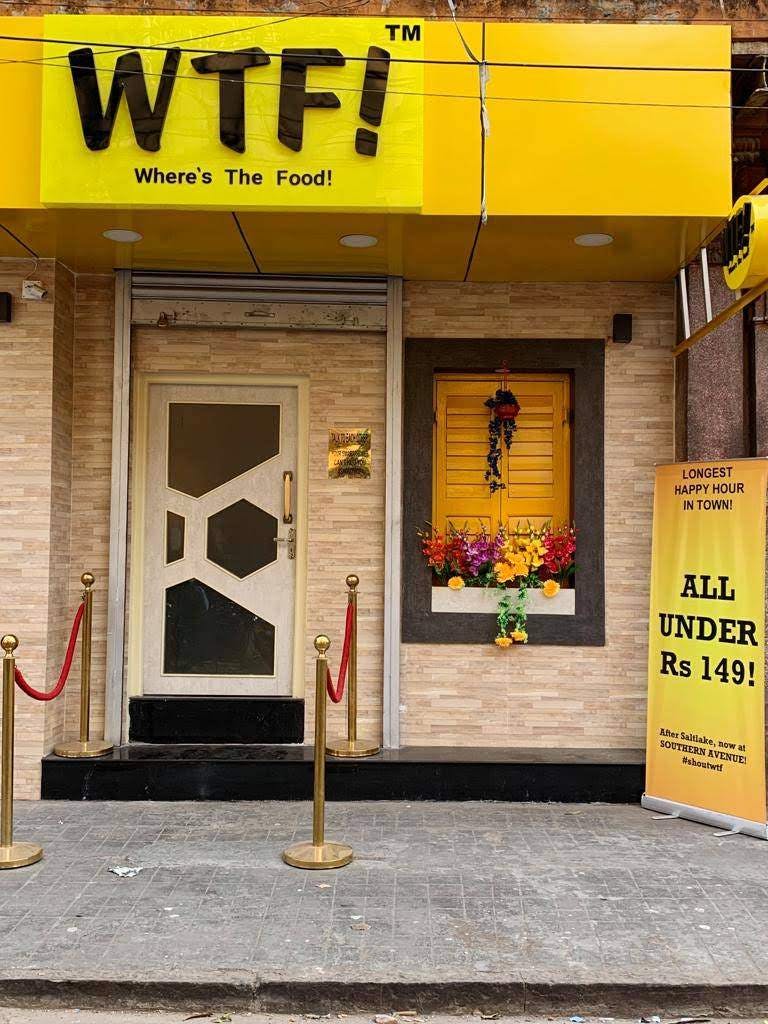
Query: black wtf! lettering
(231, 68)
(128, 78)
(294, 98)
(372, 101)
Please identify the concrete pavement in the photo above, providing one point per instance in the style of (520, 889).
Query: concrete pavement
(599, 909)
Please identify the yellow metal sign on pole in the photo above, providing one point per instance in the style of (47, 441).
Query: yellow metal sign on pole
(706, 651)
(745, 243)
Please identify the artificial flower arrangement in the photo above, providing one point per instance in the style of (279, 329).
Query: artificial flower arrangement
(526, 558)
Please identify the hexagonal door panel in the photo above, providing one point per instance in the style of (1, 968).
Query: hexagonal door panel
(217, 597)
(210, 443)
(242, 538)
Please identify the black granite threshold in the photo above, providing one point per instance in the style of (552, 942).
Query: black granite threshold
(249, 772)
(216, 720)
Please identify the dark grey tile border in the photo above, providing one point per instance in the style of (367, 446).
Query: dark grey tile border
(585, 360)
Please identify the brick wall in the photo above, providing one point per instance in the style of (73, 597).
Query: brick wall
(748, 15)
(559, 696)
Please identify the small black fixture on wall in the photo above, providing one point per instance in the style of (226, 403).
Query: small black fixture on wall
(5, 307)
(622, 328)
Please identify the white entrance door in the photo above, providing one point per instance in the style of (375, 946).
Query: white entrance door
(219, 540)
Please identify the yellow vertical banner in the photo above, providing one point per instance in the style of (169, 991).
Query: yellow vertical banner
(706, 651)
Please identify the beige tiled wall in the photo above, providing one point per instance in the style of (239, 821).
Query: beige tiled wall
(55, 427)
(34, 361)
(559, 696)
(59, 612)
(55, 446)
(91, 467)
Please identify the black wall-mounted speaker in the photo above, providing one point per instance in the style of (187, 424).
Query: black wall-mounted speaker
(622, 328)
(5, 307)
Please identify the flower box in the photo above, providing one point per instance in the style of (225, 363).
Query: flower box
(485, 601)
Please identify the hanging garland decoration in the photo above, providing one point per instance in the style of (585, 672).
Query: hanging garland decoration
(504, 408)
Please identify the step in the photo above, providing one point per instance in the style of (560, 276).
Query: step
(527, 994)
(140, 771)
(216, 720)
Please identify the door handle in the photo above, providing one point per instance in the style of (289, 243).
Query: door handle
(287, 496)
(290, 540)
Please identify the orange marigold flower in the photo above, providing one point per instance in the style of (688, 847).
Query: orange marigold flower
(504, 572)
(503, 641)
(519, 565)
(456, 583)
(520, 636)
(550, 588)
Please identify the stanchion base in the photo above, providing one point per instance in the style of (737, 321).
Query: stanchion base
(343, 747)
(307, 855)
(19, 855)
(83, 748)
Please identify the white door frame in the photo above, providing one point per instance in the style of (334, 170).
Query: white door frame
(116, 702)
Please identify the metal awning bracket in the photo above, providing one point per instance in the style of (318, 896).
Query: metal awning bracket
(705, 283)
(684, 303)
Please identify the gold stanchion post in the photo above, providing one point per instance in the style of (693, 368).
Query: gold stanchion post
(351, 746)
(12, 855)
(319, 853)
(85, 746)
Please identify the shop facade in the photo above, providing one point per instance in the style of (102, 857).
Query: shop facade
(174, 400)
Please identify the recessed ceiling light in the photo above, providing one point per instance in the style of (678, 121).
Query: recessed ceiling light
(358, 241)
(593, 239)
(122, 235)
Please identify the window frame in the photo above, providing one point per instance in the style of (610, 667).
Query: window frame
(584, 360)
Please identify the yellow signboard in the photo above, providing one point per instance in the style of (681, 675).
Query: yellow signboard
(21, 88)
(706, 657)
(291, 113)
(745, 243)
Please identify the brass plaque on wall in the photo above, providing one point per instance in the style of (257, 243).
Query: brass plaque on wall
(349, 453)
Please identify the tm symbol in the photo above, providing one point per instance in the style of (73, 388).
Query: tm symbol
(408, 33)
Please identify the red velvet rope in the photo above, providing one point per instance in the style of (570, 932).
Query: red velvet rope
(54, 693)
(336, 693)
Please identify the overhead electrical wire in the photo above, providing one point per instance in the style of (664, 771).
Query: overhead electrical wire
(440, 62)
(482, 64)
(119, 48)
(333, 87)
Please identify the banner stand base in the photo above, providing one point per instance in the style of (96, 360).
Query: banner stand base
(705, 817)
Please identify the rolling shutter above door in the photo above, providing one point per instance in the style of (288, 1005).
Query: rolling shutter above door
(536, 471)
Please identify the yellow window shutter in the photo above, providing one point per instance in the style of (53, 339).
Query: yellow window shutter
(537, 467)
(536, 471)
